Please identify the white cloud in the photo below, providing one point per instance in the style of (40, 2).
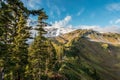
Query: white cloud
(114, 29)
(113, 7)
(86, 27)
(65, 23)
(80, 12)
(62, 23)
(34, 4)
(59, 27)
(117, 21)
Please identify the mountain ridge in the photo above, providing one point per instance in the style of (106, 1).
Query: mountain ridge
(103, 57)
(110, 38)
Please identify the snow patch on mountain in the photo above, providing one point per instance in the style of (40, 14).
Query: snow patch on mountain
(56, 31)
(59, 27)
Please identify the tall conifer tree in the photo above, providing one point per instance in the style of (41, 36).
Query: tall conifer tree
(20, 52)
(10, 15)
(41, 53)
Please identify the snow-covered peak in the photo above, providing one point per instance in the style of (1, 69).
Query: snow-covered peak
(56, 31)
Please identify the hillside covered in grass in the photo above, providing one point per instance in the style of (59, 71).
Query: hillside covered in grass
(89, 55)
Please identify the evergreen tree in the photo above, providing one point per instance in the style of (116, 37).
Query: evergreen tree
(41, 52)
(5, 19)
(20, 52)
(10, 15)
(13, 36)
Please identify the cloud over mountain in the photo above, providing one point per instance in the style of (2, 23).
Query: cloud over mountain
(62, 23)
(65, 23)
(114, 29)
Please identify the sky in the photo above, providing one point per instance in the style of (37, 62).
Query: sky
(102, 15)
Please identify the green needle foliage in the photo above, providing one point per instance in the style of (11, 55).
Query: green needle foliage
(13, 36)
(41, 52)
(20, 53)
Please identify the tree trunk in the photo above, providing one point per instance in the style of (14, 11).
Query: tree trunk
(0, 74)
(17, 76)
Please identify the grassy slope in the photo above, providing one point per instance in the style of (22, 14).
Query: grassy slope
(105, 59)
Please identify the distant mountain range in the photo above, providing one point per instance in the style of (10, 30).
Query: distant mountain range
(113, 38)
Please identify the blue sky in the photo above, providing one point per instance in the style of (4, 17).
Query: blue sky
(76, 13)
